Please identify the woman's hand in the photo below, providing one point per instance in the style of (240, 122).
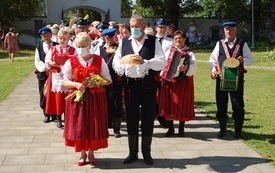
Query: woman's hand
(182, 68)
(51, 64)
(80, 86)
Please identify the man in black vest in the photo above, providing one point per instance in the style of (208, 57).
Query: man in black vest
(41, 50)
(230, 47)
(114, 90)
(140, 92)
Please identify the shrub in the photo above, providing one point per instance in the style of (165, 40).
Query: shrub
(270, 54)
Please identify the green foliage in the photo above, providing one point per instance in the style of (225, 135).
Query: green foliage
(126, 8)
(12, 11)
(173, 10)
(270, 54)
(237, 10)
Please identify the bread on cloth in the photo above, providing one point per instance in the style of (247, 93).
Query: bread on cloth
(131, 59)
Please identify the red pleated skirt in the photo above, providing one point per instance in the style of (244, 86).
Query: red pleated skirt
(176, 100)
(55, 101)
(86, 123)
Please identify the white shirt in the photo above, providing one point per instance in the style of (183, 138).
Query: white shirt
(40, 65)
(157, 63)
(166, 43)
(95, 46)
(67, 69)
(213, 60)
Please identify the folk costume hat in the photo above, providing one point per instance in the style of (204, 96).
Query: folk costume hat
(161, 22)
(109, 32)
(101, 27)
(82, 23)
(44, 30)
(229, 24)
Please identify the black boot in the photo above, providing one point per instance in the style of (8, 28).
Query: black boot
(59, 122)
(47, 119)
(53, 118)
(181, 129)
(222, 131)
(133, 147)
(117, 124)
(162, 121)
(238, 130)
(171, 130)
(146, 150)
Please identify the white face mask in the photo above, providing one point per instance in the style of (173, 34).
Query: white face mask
(82, 51)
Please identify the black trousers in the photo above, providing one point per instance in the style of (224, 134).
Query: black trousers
(114, 101)
(41, 84)
(140, 105)
(237, 102)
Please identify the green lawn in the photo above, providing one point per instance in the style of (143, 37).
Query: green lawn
(259, 127)
(12, 73)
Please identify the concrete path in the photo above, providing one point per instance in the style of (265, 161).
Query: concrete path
(29, 145)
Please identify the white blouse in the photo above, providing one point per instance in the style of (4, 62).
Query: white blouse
(67, 68)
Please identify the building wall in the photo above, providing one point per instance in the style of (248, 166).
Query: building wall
(26, 29)
(29, 35)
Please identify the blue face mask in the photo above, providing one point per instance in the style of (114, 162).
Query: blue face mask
(136, 32)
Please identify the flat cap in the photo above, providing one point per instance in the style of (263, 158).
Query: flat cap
(229, 24)
(102, 27)
(44, 30)
(161, 22)
(109, 32)
(81, 23)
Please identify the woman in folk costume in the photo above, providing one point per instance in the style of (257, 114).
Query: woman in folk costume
(86, 107)
(177, 90)
(55, 59)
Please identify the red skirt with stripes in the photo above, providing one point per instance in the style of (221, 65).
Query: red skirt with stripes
(86, 123)
(177, 100)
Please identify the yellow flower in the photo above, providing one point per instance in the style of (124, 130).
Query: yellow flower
(94, 80)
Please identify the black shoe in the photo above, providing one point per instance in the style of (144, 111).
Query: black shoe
(117, 135)
(169, 133)
(46, 119)
(59, 124)
(131, 158)
(162, 122)
(221, 134)
(148, 159)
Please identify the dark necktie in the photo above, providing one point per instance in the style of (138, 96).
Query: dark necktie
(160, 40)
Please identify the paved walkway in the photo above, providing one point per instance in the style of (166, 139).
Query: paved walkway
(28, 145)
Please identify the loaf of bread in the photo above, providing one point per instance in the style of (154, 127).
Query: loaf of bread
(131, 59)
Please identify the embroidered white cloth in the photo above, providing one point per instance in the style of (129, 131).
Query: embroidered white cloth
(57, 80)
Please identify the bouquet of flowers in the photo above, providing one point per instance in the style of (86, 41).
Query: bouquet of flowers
(94, 80)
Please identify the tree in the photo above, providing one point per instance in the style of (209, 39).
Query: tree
(171, 9)
(127, 7)
(238, 10)
(12, 11)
